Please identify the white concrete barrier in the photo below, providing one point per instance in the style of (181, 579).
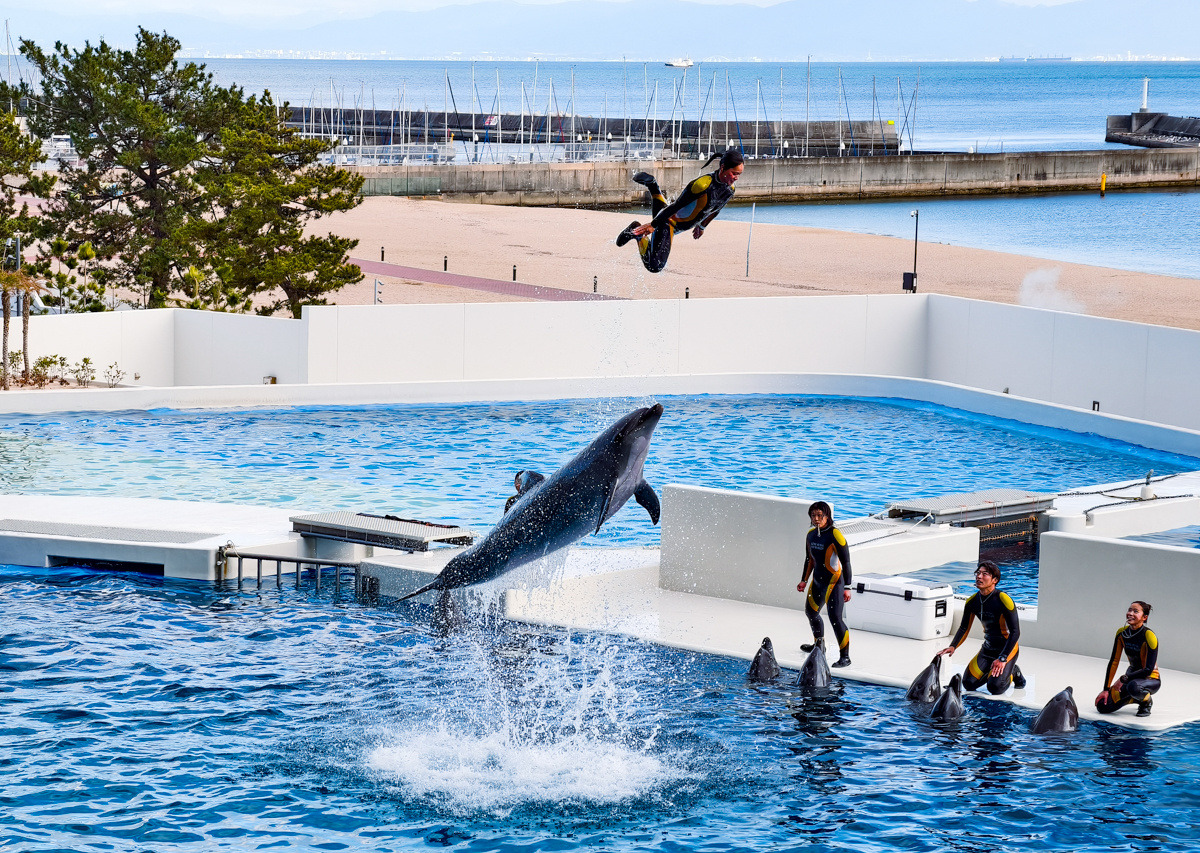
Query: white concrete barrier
(1085, 584)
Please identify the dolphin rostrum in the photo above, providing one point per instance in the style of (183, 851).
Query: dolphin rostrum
(560, 510)
(1061, 714)
(927, 686)
(764, 667)
(949, 706)
(815, 672)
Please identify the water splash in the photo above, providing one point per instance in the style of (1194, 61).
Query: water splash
(1039, 289)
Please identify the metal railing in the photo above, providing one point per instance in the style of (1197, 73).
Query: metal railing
(299, 563)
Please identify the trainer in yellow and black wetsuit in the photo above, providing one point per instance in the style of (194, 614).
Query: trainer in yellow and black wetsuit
(996, 663)
(697, 206)
(1141, 679)
(827, 563)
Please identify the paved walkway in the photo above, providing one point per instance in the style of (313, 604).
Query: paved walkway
(491, 285)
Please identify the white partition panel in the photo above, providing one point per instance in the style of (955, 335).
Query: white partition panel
(140, 342)
(735, 545)
(897, 326)
(1085, 584)
(400, 343)
(571, 339)
(214, 348)
(1171, 384)
(1100, 360)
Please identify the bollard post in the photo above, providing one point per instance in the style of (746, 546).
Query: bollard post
(1103, 183)
(514, 272)
(687, 293)
(595, 284)
(381, 253)
(445, 263)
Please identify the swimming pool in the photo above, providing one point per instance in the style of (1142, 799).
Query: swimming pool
(456, 463)
(152, 714)
(141, 713)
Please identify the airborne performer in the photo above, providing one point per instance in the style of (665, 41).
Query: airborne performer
(696, 207)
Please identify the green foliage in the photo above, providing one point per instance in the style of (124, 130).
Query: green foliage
(113, 375)
(141, 123)
(84, 372)
(264, 189)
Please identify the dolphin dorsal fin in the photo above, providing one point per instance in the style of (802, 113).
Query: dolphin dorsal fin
(645, 496)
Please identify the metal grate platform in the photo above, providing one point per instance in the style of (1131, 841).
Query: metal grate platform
(385, 531)
(97, 531)
(967, 507)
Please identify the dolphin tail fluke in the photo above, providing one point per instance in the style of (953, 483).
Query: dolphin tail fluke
(431, 585)
(645, 496)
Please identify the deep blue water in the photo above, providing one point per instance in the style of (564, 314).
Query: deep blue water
(147, 714)
(154, 715)
(1142, 231)
(986, 106)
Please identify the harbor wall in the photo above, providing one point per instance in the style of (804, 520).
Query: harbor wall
(607, 183)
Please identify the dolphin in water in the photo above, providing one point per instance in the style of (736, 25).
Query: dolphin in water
(815, 672)
(927, 686)
(949, 706)
(557, 511)
(1061, 714)
(764, 667)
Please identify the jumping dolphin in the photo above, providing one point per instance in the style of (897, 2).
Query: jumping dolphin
(814, 672)
(927, 686)
(949, 705)
(573, 502)
(1061, 714)
(764, 666)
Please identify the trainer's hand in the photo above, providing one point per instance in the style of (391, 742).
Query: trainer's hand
(845, 595)
(697, 232)
(997, 668)
(1101, 697)
(800, 586)
(643, 230)
(949, 650)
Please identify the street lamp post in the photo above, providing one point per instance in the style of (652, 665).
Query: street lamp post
(910, 278)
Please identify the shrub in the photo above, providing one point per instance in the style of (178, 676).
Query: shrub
(113, 375)
(84, 373)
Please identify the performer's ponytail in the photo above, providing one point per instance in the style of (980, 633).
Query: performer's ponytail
(730, 157)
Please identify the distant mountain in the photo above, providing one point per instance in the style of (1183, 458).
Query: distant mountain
(663, 29)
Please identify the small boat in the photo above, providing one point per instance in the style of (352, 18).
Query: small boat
(679, 63)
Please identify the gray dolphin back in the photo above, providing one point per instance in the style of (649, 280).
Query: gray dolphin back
(815, 672)
(764, 667)
(949, 705)
(1060, 714)
(927, 686)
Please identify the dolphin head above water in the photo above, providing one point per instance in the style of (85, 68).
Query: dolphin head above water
(1060, 714)
(552, 513)
(949, 706)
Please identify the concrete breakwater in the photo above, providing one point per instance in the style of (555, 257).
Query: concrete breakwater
(606, 183)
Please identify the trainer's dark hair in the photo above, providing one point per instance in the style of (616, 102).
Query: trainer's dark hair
(730, 157)
(991, 568)
(822, 507)
(1145, 608)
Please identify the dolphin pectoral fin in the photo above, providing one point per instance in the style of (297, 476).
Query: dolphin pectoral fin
(645, 495)
(432, 585)
(529, 479)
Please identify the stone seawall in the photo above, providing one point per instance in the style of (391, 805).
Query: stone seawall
(607, 184)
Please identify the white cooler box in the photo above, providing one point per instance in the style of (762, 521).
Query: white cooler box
(900, 606)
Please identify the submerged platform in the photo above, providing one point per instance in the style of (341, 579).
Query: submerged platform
(617, 590)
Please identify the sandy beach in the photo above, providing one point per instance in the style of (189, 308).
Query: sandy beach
(574, 249)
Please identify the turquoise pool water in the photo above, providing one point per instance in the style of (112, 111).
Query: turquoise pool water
(143, 714)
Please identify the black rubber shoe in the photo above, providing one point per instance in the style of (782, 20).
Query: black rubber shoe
(645, 179)
(1018, 678)
(1144, 708)
(627, 235)
(808, 647)
(844, 660)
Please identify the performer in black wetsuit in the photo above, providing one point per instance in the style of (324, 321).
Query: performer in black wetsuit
(696, 207)
(523, 481)
(1140, 680)
(827, 562)
(996, 663)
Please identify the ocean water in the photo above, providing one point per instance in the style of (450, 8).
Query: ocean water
(1142, 231)
(985, 106)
